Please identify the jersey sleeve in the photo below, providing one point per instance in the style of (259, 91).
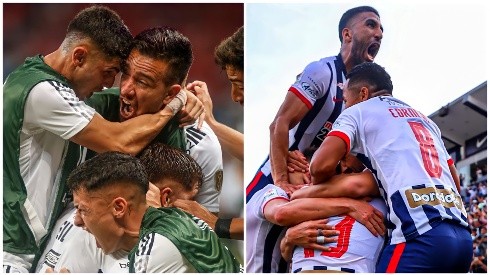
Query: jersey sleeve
(55, 108)
(346, 127)
(312, 83)
(273, 193)
(157, 254)
(204, 147)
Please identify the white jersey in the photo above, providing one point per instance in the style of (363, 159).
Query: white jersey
(52, 115)
(203, 146)
(317, 87)
(356, 250)
(157, 254)
(76, 249)
(69, 246)
(263, 237)
(405, 151)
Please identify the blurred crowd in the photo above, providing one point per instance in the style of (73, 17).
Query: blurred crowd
(474, 195)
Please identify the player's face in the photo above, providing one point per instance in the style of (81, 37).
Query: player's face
(367, 33)
(236, 78)
(142, 88)
(94, 215)
(94, 74)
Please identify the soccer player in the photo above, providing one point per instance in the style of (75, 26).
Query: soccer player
(109, 193)
(228, 55)
(160, 60)
(314, 101)
(173, 172)
(270, 210)
(415, 174)
(167, 57)
(43, 110)
(359, 241)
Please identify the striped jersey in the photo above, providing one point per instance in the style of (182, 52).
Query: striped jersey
(317, 87)
(405, 151)
(204, 147)
(263, 237)
(357, 249)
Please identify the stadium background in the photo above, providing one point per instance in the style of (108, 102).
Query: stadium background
(463, 124)
(31, 29)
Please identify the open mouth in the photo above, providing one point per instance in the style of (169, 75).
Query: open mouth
(372, 51)
(126, 109)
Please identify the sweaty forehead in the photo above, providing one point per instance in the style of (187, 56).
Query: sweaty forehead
(141, 63)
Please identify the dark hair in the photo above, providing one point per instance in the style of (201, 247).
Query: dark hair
(106, 169)
(230, 51)
(348, 15)
(371, 74)
(105, 28)
(169, 45)
(162, 161)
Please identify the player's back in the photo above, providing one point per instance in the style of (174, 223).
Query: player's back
(405, 151)
(356, 250)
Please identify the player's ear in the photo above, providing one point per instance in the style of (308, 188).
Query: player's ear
(346, 35)
(165, 196)
(171, 93)
(119, 207)
(364, 94)
(79, 56)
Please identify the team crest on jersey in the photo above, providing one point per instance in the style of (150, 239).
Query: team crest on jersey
(52, 258)
(218, 180)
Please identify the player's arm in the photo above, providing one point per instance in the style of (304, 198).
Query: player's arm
(454, 174)
(326, 159)
(354, 185)
(292, 110)
(300, 210)
(229, 138)
(130, 136)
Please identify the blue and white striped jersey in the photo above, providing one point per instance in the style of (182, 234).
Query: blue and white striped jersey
(405, 151)
(317, 87)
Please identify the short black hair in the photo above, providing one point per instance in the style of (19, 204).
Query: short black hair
(106, 169)
(162, 161)
(230, 51)
(348, 15)
(167, 44)
(105, 28)
(371, 74)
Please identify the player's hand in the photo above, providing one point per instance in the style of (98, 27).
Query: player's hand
(297, 162)
(51, 270)
(192, 110)
(305, 234)
(200, 88)
(153, 196)
(288, 187)
(197, 210)
(369, 216)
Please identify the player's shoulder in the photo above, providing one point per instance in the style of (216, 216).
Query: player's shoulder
(320, 70)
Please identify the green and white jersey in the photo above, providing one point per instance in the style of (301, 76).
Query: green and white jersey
(41, 112)
(200, 248)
